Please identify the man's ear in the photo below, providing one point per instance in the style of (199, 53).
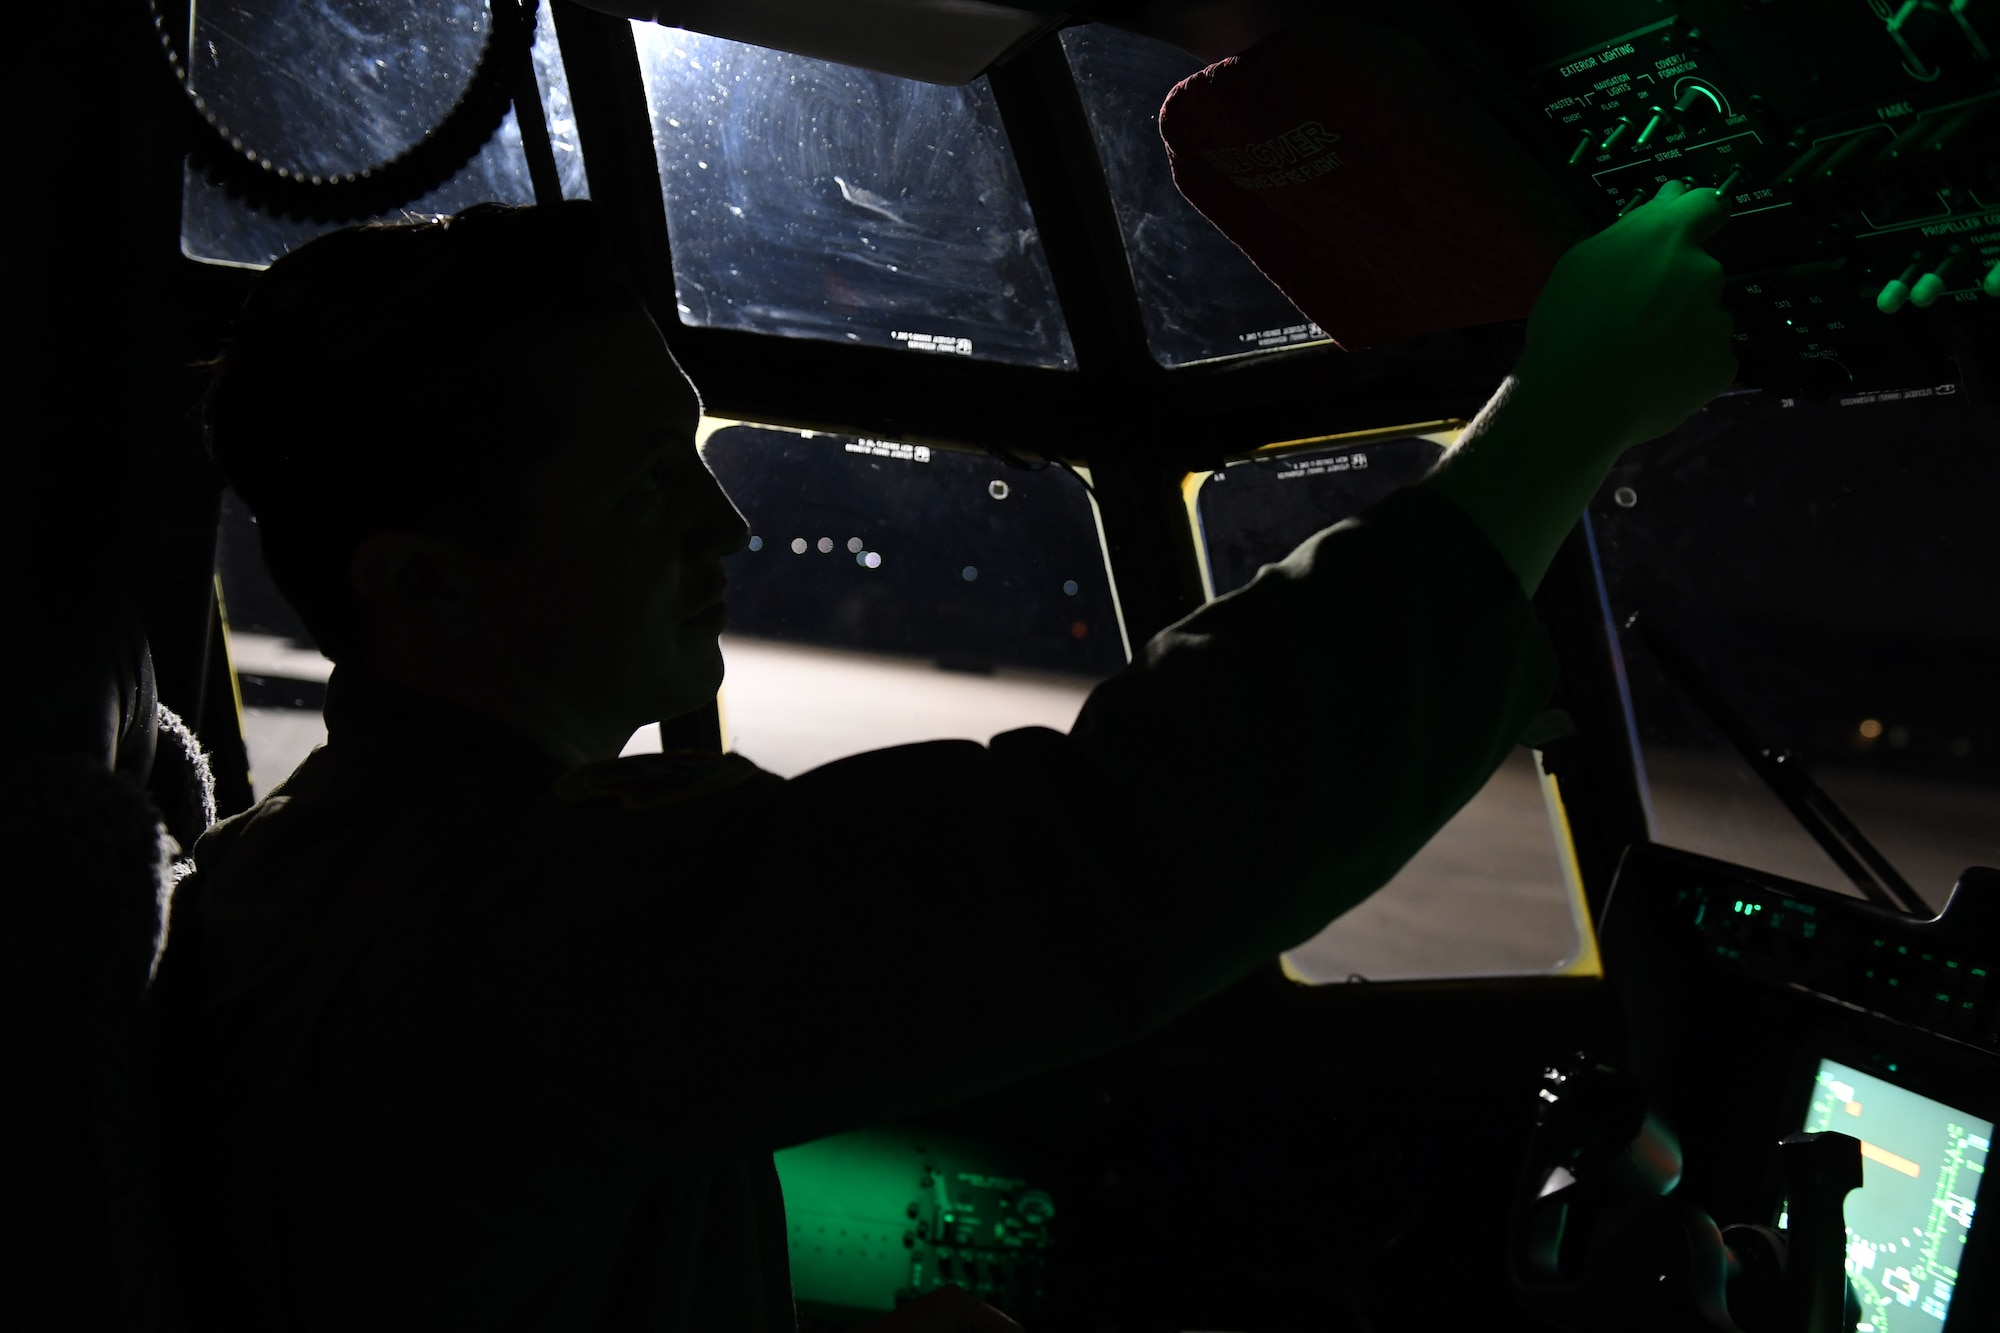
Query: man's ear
(417, 580)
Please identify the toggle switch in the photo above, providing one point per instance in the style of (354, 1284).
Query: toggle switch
(1991, 286)
(1897, 294)
(1931, 285)
(1583, 146)
(1698, 101)
(1798, 171)
(1940, 139)
(1905, 144)
(1979, 47)
(1618, 131)
(1855, 145)
(1729, 182)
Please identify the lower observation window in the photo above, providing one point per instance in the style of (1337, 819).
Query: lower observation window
(897, 592)
(280, 673)
(1495, 892)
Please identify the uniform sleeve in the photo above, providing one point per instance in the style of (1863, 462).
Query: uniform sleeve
(909, 927)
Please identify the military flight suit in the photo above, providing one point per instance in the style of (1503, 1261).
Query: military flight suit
(456, 1039)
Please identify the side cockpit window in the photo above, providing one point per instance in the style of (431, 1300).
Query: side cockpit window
(324, 95)
(1200, 296)
(1804, 597)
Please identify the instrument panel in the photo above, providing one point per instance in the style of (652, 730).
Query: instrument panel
(1858, 145)
(1759, 1007)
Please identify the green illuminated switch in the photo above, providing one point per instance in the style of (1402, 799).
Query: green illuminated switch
(1932, 284)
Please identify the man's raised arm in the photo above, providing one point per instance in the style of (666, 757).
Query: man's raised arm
(1628, 339)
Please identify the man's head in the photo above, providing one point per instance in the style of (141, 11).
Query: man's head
(472, 462)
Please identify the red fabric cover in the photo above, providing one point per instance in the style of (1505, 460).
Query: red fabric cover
(1344, 160)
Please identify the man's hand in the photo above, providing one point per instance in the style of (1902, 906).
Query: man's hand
(1628, 340)
(1630, 326)
(946, 1310)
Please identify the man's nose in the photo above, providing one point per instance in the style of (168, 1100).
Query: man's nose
(728, 529)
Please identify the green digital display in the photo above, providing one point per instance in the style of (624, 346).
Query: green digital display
(1906, 1226)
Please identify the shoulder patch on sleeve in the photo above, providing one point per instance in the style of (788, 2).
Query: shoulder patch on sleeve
(651, 781)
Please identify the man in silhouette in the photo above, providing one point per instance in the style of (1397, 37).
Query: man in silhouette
(472, 1023)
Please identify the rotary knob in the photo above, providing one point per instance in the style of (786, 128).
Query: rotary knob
(1698, 103)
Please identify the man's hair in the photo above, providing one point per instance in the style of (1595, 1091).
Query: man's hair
(381, 378)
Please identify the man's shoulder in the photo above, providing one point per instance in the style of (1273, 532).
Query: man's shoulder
(659, 781)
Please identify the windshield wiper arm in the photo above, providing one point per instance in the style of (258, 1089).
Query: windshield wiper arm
(1809, 803)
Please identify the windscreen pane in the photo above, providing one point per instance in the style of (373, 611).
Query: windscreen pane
(817, 200)
(1821, 581)
(334, 94)
(896, 593)
(1492, 893)
(1201, 298)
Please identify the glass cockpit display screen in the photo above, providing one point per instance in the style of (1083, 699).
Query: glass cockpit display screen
(1922, 1162)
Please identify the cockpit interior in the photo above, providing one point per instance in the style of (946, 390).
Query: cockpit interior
(1023, 329)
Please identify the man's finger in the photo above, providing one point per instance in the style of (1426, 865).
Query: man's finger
(1703, 211)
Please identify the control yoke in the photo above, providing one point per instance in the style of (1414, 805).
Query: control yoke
(1598, 1239)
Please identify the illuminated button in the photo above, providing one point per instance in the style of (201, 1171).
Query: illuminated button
(1931, 285)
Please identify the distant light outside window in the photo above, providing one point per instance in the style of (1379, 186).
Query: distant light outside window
(835, 648)
(817, 200)
(333, 96)
(1495, 892)
(1201, 298)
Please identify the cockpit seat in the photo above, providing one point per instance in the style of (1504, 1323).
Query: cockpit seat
(92, 862)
